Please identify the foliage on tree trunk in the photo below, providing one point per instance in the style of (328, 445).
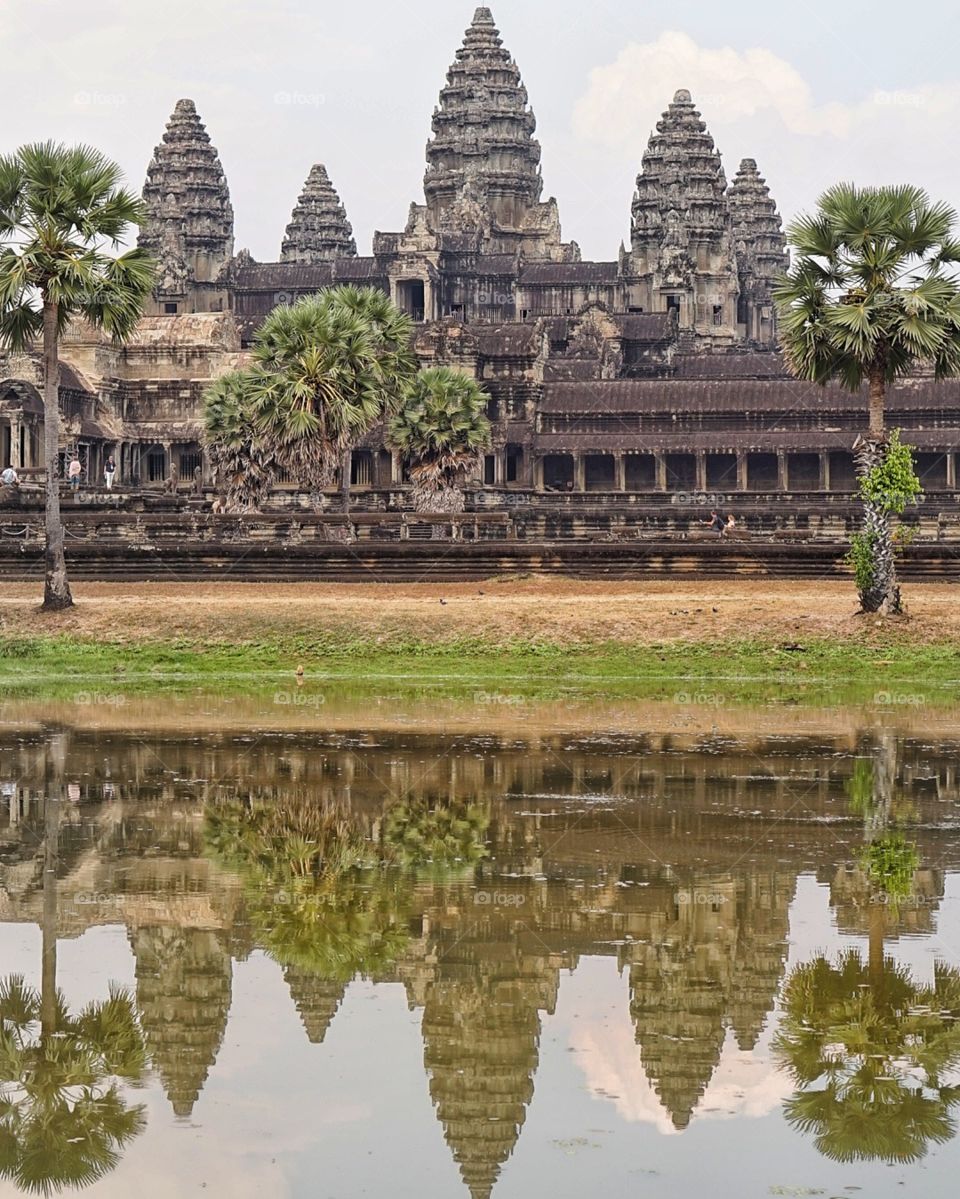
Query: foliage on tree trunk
(888, 483)
(56, 589)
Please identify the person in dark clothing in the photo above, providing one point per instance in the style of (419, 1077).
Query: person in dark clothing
(717, 522)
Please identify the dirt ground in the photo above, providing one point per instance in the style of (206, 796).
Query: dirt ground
(561, 610)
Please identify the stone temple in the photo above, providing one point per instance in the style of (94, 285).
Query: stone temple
(654, 371)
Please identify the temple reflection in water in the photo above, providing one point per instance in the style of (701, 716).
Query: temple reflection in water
(678, 857)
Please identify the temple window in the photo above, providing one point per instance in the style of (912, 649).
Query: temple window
(718, 314)
(411, 298)
(170, 309)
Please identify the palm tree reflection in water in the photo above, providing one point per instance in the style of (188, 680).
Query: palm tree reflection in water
(867, 1045)
(64, 1119)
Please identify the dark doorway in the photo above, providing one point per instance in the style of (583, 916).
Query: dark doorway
(641, 472)
(599, 472)
(681, 472)
(762, 472)
(558, 472)
(411, 298)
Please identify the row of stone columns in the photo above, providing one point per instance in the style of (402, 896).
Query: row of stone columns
(700, 482)
(21, 443)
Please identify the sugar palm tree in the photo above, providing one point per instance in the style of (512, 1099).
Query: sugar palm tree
(435, 835)
(325, 371)
(61, 209)
(63, 1117)
(243, 465)
(872, 294)
(315, 896)
(442, 431)
(869, 1055)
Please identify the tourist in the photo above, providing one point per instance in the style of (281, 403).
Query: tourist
(74, 471)
(109, 470)
(10, 478)
(716, 522)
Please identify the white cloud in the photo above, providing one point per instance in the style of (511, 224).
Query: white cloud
(726, 84)
(757, 104)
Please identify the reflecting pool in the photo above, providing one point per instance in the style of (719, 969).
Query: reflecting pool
(341, 946)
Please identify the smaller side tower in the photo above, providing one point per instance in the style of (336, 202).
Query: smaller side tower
(319, 230)
(761, 250)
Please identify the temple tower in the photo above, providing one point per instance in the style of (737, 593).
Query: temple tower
(184, 985)
(483, 162)
(761, 249)
(681, 254)
(189, 225)
(319, 230)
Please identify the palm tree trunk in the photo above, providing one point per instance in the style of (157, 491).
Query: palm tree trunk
(877, 932)
(56, 589)
(882, 594)
(346, 465)
(878, 403)
(48, 971)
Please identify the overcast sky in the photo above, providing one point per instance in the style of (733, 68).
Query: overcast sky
(815, 92)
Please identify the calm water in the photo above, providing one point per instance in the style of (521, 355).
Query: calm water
(369, 952)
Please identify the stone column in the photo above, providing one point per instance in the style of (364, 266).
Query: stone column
(499, 468)
(742, 477)
(782, 481)
(660, 466)
(538, 474)
(824, 472)
(701, 475)
(951, 469)
(579, 472)
(15, 426)
(396, 467)
(620, 472)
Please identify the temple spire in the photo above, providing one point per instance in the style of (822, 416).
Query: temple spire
(189, 225)
(681, 174)
(483, 162)
(319, 230)
(761, 250)
(681, 252)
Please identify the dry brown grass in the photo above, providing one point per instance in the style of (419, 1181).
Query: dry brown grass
(562, 610)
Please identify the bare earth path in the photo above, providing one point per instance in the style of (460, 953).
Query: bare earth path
(565, 611)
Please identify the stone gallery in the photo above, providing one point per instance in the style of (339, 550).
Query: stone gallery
(654, 371)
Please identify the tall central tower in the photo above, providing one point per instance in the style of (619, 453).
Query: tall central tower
(483, 149)
(483, 161)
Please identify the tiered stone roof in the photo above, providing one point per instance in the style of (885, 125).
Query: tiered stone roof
(189, 225)
(481, 1034)
(319, 230)
(680, 194)
(184, 988)
(483, 158)
(757, 226)
(316, 999)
